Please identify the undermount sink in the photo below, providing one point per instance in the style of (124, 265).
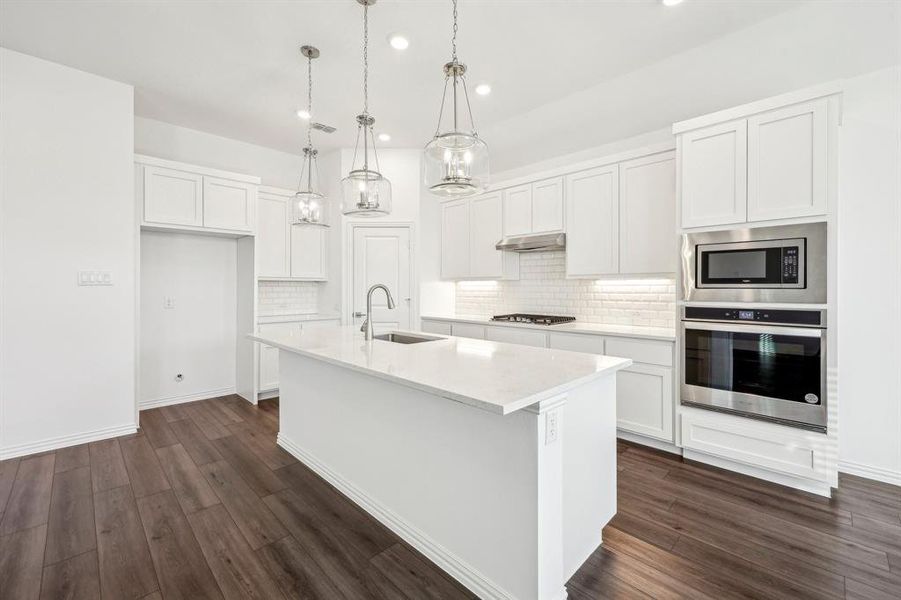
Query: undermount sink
(405, 338)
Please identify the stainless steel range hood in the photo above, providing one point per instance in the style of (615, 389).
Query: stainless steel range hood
(537, 242)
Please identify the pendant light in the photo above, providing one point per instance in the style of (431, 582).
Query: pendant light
(456, 161)
(309, 206)
(365, 191)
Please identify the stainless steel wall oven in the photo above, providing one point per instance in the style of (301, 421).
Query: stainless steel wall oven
(761, 363)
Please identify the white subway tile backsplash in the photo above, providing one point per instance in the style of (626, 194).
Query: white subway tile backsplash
(287, 298)
(543, 288)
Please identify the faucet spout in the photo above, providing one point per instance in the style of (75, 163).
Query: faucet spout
(367, 324)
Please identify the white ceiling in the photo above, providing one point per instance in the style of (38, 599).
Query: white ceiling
(233, 68)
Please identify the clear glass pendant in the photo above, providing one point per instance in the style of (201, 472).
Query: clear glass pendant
(309, 207)
(455, 162)
(365, 192)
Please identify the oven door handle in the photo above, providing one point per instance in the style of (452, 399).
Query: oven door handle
(809, 332)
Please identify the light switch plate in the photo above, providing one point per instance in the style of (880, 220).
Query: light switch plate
(95, 278)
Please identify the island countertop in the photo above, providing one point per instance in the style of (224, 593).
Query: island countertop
(493, 376)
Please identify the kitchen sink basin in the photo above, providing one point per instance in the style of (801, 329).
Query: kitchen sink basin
(405, 338)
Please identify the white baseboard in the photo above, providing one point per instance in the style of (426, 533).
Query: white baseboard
(268, 394)
(650, 442)
(876, 473)
(474, 581)
(170, 400)
(66, 441)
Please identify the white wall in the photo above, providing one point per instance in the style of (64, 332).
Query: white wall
(869, 291)
(67, 353)
(163, 140)
(196, 338)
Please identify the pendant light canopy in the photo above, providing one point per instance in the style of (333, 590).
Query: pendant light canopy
(456, 161)
(365, 191)
(309, 206)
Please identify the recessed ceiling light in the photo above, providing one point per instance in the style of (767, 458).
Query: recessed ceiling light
(384, 137)
(398, 42)
(483, 89)
(303, 114)
(671, 2)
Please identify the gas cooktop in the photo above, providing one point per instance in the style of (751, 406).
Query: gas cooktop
(533, 319)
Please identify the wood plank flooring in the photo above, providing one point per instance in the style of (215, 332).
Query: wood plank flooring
(202, 503)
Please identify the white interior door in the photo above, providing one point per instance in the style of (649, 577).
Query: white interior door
(382, 255)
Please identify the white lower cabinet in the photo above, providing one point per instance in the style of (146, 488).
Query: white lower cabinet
(267, 379)
(511, 335)
(468, 330)
(438, 327)
(782, 450)
(644, 401)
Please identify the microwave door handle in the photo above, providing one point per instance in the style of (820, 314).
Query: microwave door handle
(810, 332)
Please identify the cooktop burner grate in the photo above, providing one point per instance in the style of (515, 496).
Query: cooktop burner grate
(533, 319)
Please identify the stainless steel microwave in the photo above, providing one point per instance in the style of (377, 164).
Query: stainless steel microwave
(766, 264)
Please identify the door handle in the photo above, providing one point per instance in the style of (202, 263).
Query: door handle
(359, 314)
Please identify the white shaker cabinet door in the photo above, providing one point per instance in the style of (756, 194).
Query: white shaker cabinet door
(273, 236)
(518, 210)
(485, 231)
(787, 157)
(592, 217)
(268, 379)
(514, 335)
(228, 204)
(547, 205)
(308, 252)
(455, 244)
(172, 197)
(644, 401)
(647, 215)
(713, 170)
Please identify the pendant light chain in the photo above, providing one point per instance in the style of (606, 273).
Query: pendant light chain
(454, 38)
(366, 59)
(310, 101)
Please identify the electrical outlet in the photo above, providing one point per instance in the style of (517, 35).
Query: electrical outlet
(168, 302)
(551, 426)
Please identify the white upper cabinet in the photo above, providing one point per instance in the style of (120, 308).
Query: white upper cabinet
(713, 162)
(547, 205)
(776, 162)
(485, 230)
(534, 207)
(178, 196)
(173, 197)
(308, 252)
(273, 236)
(470, 230)
(787, 162)
(286, 251)
(228, 204)
(455, 239)
(592, 217)
(518, 210)
(647, 215)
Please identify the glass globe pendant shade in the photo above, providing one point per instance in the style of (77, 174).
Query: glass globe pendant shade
(455, 164)
(365, 193)
(308, 206)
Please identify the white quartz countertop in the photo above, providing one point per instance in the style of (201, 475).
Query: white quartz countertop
(299, 317)
(500, 378)
(651, 333)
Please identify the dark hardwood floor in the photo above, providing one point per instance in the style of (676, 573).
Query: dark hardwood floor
(201, 503)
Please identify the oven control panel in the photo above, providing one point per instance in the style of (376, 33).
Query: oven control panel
(790, 264)
(804, 318)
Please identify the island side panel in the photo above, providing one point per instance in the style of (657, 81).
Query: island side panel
(459, 483)
(589, 469)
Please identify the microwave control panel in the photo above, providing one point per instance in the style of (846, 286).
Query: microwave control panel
(790, 264)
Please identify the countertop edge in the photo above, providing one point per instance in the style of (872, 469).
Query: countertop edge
(468, 400)
(573, 328)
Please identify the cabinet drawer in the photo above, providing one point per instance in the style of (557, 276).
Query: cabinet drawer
(641, 351)
(591, 344)
(511, 335)
(468, 330)
(773, 447)
(439, 327)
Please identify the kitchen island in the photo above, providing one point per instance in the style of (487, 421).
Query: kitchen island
(496, 461)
